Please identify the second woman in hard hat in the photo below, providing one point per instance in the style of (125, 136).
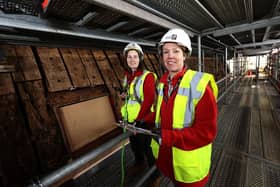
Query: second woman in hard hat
(139, 95)
(186, 115)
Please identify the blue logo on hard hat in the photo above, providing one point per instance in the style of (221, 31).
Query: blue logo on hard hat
(173, 36)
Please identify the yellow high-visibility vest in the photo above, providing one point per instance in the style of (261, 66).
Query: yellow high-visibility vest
(189, 166)
(132, 105)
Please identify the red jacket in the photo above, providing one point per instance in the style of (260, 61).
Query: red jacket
(149, 90)
(202, 132)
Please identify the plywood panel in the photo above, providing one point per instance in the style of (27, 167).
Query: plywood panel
(75, 67)
(86, 121)
(91, 67)
(27, 63)
(54, 69)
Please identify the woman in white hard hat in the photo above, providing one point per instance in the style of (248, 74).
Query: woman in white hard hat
(139, 95)
(186, 115)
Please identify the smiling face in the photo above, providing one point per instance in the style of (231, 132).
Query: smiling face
(173, 58)
(132, 59)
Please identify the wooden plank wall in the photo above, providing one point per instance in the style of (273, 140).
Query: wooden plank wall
(46, 78)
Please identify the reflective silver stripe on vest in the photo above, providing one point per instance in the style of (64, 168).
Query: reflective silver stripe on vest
(160, 91)
(132, 102)
(157, 125)
(192, 94)
(137, 87)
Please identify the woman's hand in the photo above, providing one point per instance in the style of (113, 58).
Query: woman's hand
(123, 95)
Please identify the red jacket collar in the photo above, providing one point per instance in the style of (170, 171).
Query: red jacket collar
(131, 75)
(175, 79)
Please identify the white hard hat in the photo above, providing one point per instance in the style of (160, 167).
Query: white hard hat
(178, 36)
(133, 46)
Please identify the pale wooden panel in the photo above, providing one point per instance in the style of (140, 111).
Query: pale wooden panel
(54, 69)
(91, 67)
(86, 121)
(27, 63)
(75, 67)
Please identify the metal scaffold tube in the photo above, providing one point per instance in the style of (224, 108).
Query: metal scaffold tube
(73, 167)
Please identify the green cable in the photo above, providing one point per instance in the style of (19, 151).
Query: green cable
(122, 161)
(123, 145)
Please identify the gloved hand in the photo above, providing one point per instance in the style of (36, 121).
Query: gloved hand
(157, 136)
(140, 124)
(157, 131)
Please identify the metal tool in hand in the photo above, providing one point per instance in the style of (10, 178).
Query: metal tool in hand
(134, 129)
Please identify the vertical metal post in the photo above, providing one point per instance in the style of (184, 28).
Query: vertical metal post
(216, 63)
(257, 68)
(199, 51)
(226, 80)
(235, 69)
(203, 62)
(241, 65)
(238, 65)
(277, 61)
(246, 63)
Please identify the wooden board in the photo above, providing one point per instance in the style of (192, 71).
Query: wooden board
(54, 69)
(90, 67)
(119, 69)
(110, 78)
(58, 99)
(17, 160)
(192, 63)
(6, 84)
(75, 67)
(27, 63)
(148, 63)
(11, 58)
(155, 63)
(43, 125)
(86, 121)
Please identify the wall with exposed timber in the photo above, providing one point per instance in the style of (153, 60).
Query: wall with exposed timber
(46, 78)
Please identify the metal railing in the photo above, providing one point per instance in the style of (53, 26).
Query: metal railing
(72, 168)
(275, 83)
